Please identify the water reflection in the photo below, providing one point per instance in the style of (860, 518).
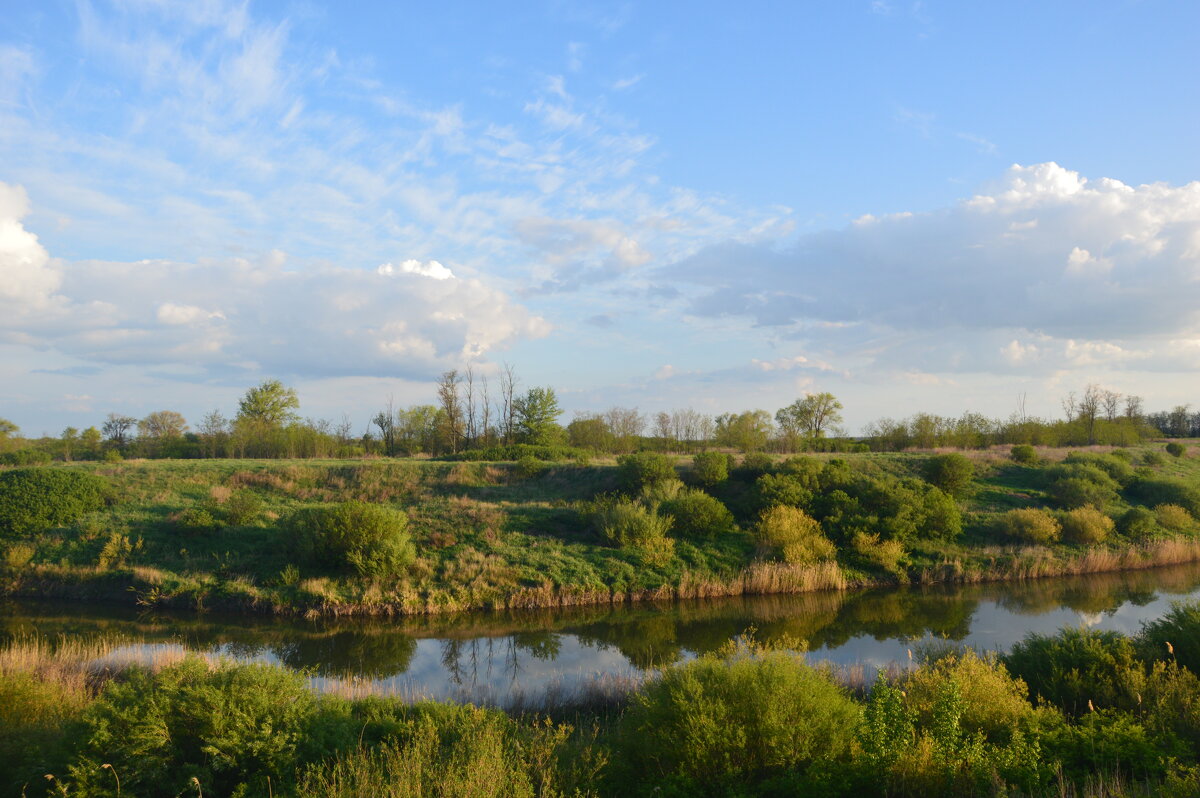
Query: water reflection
(501, 654)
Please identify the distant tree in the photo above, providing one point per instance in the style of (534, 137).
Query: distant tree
(386, 421)
(451, 407)
(68, 441)
(89, 442)
(1133, 408)
(116, 429)
(625, 424)
(813, 416)
(748, 432)
(8, 433)
(271, 404)
(590, 432)
(159, 429)
(213, 429)
(537, 414)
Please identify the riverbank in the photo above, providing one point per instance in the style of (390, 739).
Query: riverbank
(215, 535)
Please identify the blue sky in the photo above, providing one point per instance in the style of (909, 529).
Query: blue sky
(916, 206)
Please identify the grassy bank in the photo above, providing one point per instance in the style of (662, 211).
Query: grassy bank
(1082, 713)
(221, 533)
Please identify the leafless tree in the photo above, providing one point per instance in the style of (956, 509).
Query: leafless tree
(451, 406)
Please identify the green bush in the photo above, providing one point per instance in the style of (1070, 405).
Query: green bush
(637, 472)
(1086, 525)
(773, 489)
(35, 499)
(1138, 523)
(372, 539)
(698, 515)
(627, 523)
(952, 473)
(25, 457)
(710, 468)
(1024, 453)
(886, 554)
(805, 470)
(1176, 449)
(794, 536)
(1075, 492)
(1153, 491)
(34, 713)
(721, 723)
(1029, 525)
(1153, 458)
(1120, 471)
(1175, 637)
(516, 451)
(529, 467)
(995, 703)
(243, 508)
(230, 728)
(195, 519)
(1113, 742)
(1078, 666)
(1174, 518)
(754, 465)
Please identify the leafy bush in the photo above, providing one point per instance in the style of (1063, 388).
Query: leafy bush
(1078, 666)
(25, 457)
(195, 519)
(895, 509)
(636, 472)
(1180, 628)
(1024, 453)
(1176, 449)
(719, 723)
(36, 499)
(698, 515)
(516, 451)
(1077, 492)
(230, 728)
(1029, 525)
(952, 473)
(1086, 525)
(33, 715)
(1153, 491)
(773, 489)
(529, 467)
(371, 538)
(794, 536)
(627, 523)
(710, 468)
(755, 465)
(1152, 458)
(995, 703)
(1111, 741)
(1138, 523)
(805, 470)
(886, 554)
(243, 508)
(1174, 518)
(1120, 471)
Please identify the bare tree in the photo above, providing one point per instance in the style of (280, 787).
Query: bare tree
(486, 401)
(1089, 408)
(1111, 401)
(344, 430)
(386, 421)
(451, 406)
(1070, 405)
(1133, 408)
(662, 426)
(508, 408)
(469, 388)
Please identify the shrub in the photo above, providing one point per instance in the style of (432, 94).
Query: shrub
(710, 468)
(1176, 449)
(804, 470)
(370, 538)
(1180, 627)
(1120, 471)
(1174, 518)
(626, 523)
(1078, 666)
(952, 473)
(1024, 453)
(529, 467)
(1152, 491)
(636, 472)
(1109, 741)
(195, 519)
(698, 515)
(773, 489)
(1152, 458)
(35, 499)
(1086, 525)
(112, 456)
(755, 465)
(33, 714)
(995, 703)
(720, 723)
(1029, 525)
(885, 554)
(25, 457)
(243, 508)
(230, 727)
(794, 536)
(1138, 523)
(1076, 492)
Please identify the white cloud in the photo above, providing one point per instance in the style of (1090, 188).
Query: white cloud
(431, 269)
(27, 279)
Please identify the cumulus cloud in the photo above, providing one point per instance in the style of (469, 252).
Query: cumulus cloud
(431, 269)
(1045, 253)
(27, 278)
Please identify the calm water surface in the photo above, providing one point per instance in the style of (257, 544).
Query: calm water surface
(499, 656)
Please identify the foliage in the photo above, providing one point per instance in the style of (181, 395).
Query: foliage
(1078, 669)
(1024, 453)
(697, 515)
(1113, 741)
(271, 403)
(33, 715)
(1086, 525)
(196, 519)
(36, 499)
(1138, 523)
(776, 489)
(536, 413)
(25, 457)
(517, 451)
(1153, 491)
(1029, 525)
(794, 536)
(1174, 518)
(1176, 449)
(1118, 469)
(710, 468)
(529, 467)
(627, 523)
(886, 554)
(370, 538)
(1174, 637)
(642, 470)
(1073, 485)
(242, 508)
(953, 473)
(718, 722)
(754, 465)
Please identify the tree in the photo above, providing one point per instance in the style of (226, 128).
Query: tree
(116, 429)
(159, 429)
(451, 407)
(270, 403)
(537, 414)
(386, 421)
(747, 432)
(589, 432)
(213, 430)
(813, 416)
(8, 432)
(89, 441)
(68, 439)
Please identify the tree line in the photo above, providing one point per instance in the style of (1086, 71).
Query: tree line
(474, 415)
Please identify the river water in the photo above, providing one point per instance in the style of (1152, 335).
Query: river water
(512, 656)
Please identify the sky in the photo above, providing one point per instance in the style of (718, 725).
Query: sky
(917, 206)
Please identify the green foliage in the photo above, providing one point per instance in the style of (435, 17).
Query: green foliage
(1112, 741)
(1153, 491)
(698, 516)
(952, 473)
(1029, 525)
(1024, 453)
(794, 536)
(902, 509)
(536, 413)
(627, 523)
(370, 538)
(710, 468)
(529, 467)
(1118, 469)
(33, 715)
(25, 457)
(243, 508)
(1078, 666)
(1086, 525)
(1175, 637)
(642, 470)
(518, 451)
(995, 704)
(1138, 523)
(775, 489)
(196, 519)
(35, 499)
(270, 403)
(754, 465)
(886, 554)
(1153, 458)
(1176, 449)
(230, 728)
(1073, 485)
(718, 723)
(1174, 518)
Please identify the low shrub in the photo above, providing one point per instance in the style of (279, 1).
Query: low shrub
(196, 519)
(1024, 453)
(529, 467)
(754, 465)
(36, 499)
(1152, 491)
(636, 472)
(1176, 449)
(1079, 669)
(1175, 637)
(372, 539)
(794, 536)
(774, 489)
(25, 457)
(1152, 458)
(626, 523)
(952, 473)
(698, 515)
(1174, 518)
(886, 554)
(1086, 525)
(33, 715)
(1117, 468)
(710, 468)
(516, 451)
(1114, 742)
(722, 722)
(242, 508)
(1029, 525)
(1138, 523)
